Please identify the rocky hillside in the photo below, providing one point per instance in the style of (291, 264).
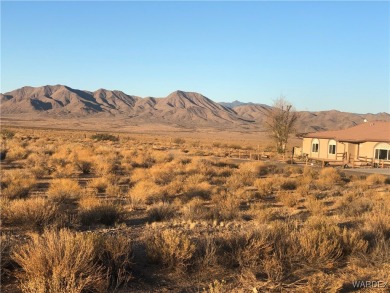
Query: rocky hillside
(186, 109)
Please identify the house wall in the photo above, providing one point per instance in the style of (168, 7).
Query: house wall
(323, 148)
(353, 150)
(368, 148)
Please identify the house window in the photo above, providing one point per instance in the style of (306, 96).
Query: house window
(382, 154)
(382, 151)
(332, 147)
(315, 145)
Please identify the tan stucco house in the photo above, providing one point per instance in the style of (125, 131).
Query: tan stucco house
(364, 144)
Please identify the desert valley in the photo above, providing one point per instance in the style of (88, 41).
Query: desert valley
(106, 192)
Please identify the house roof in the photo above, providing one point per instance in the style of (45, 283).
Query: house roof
(378, 131)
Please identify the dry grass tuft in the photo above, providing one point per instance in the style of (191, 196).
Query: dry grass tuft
(62, 262)
(16, 184)
(376, 179)
(95, 211)
(169, 247)
(161, 211)
(61, 190)
(33, 213)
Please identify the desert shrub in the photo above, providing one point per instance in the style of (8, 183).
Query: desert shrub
(62, 262)
(265, 185)
(216, 287)
(7, 133)
(201, 166)
(227, 206)
(99, 184)
(328, 177)
(288, 184)
(161, 212)
(246, 174)
(143, 160)
(169, 247)
(6, 245)
(16, 184)
(376, 179)
(206, 254)
(179, 140)
(115, 253)
(319, 248)
(16, 151)
(35, 213)
(144, 191)
(378, 223)
(254, 168)
(323, 283)
(262, 213)
(195, 179)
(162, 157)
(94, 211)
(237, 180)
(63, 190)
(314, 205)
(37, 163)
(201, 189)
(106, 164)
(353, 243)
(309, 173)
(162, 174)
(289, 170)
(83, 166)
(113, 190)
(351, 205)
(196, 210)
(104, 136)
(288, 198)
(65, 171)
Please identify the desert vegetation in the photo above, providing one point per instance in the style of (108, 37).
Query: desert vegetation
(87, 212)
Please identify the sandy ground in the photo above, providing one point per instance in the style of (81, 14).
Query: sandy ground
(230, 136)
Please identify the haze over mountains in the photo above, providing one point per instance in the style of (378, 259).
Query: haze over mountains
(184, 109)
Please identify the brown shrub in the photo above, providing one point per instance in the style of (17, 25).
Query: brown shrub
(144, 191)
(226, 206)
(99, 184)
(376, 179)
(16, 184)
(328, 177)
(113, 190)
(319, 248)
(94, 211)
(162, 174)
(288, 184)
(161, 211)
(64, 190)
(35, 213)
(196, 210)
(60, 262)
(169, 247)
(265, 186)
(115, 253)
(6, 245)
(289, 199)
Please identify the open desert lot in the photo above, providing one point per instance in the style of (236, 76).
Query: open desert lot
(176, 211)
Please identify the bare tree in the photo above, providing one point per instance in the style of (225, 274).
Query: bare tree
(280, 122)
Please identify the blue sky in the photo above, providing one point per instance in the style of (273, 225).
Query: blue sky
(319, 55)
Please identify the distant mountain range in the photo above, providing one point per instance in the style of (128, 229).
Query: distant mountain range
(185, 109)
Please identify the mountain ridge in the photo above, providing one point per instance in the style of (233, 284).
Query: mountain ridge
(186, 109)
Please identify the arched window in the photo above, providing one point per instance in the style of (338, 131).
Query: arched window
(332, 147)
(315, 145)
(382, 151)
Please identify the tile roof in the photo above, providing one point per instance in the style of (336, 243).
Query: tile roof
(378, 131)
